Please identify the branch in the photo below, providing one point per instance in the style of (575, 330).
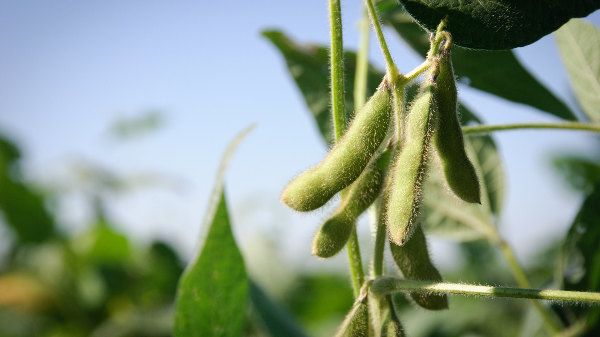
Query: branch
(386, 285)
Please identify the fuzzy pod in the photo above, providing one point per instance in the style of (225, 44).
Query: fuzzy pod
(391, 328)
(410, 166)
(391, 325)
(347, 159)
(448, 136)
(356, 323)
(334, 233)
(415, 264)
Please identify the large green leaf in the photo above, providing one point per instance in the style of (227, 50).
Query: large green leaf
(444, 215)
(496, 72)
(498, 24)
(275, 319)
(579, 44)
(213, 291)
(309, 66)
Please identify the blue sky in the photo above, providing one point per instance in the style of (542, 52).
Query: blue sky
(68, 69)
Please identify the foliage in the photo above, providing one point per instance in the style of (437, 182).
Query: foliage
(102, 283)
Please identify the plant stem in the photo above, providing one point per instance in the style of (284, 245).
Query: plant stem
(380, 237)
(565, 126)
(392, 71)
(362, 63)
(490, 232)
(386, 285)
(405, 79)
(522, 281)
(336, 59)
(399, 97)
(338, 110)
(437, 39)
(356, 268)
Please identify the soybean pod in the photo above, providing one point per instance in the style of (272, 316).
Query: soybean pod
(356, 323)
(391, 326)
(410, 165)
(415, 264)
(334, 233)
(347, 159)
(448, 137)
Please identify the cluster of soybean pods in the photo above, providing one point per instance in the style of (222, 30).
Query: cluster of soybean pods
(368, 163)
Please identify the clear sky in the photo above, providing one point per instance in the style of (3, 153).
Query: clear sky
(69, 69)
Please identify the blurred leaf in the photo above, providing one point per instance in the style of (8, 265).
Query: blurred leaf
(276, 320)
(124, 129)
(581, 173)
(582, 257)
(498, 24)
(309, 66)
(582, 245)
(579, 45)
(9, 153)
(103, 245)
(443, 214)
(23, 208)
(213, 291)
(165, 270)
(24, 212)
(316, 298)
(498, 73)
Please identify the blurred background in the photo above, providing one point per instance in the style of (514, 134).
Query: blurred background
(113, 119)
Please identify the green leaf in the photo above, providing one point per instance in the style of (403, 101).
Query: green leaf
(496, 72)
(498, 24)
(581, 262)
(581, 173)
(582, 248)
(309, 66)
(22, 207)
(579, 44)
(213, 291)
(275, 319)
(444, 215)
(318, 297)
(102, 245)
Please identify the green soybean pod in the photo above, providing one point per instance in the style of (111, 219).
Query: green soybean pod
(356, 323)
(415, 264)
(391, 326)
(347, 159)
(410, 166)
(448, 136)
(334, 233)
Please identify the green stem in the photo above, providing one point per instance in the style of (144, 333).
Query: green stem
(513, 264)
(386, 285)
(380, 237)
(392, 71)
(492, 235)
(362, 64)
(522, 281)
(338, 110)
(356, 268)
(336, 59)
(437, 39)
(413, 74)
(565, 126)
(399, 97)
